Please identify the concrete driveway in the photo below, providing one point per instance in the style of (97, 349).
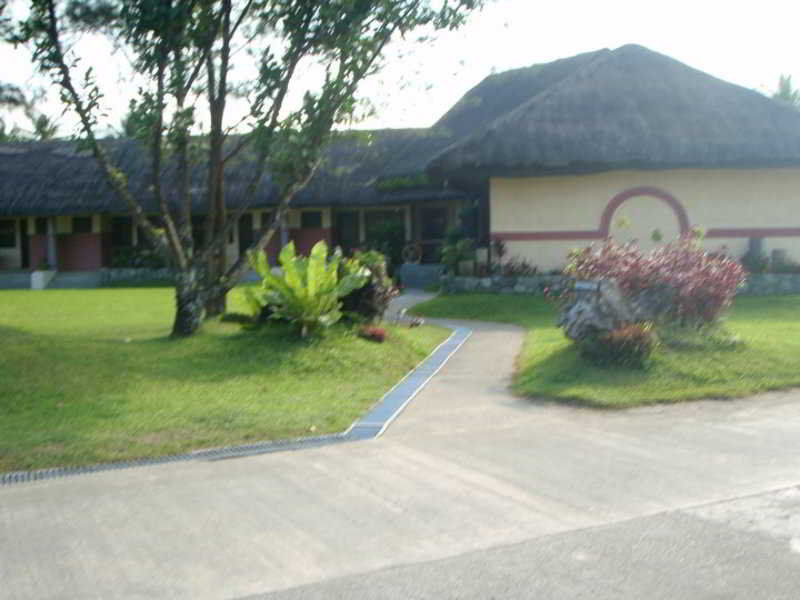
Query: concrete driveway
(471, 493)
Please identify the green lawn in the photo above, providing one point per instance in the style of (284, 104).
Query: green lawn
(89, 376)
(550, 367)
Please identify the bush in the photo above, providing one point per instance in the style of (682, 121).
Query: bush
(138, 257)
(455, 251)
(373, 334)
(371, 301)
(388, 239)
(516, 267)
(629, 346)
(308, 291)
(700, 285)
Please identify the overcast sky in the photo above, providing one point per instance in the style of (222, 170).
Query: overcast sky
(748, 43)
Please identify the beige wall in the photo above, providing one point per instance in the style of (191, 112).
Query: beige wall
(713, 199)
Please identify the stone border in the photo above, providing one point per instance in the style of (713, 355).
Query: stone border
(532, 285)
(370, 426)
(757, 284)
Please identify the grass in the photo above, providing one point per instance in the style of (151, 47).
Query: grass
(89, 376)
(550, 367)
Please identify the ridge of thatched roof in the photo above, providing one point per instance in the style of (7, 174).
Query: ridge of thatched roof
(629, 108)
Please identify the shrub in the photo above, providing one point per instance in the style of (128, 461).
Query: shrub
(371, 301)
(388, 239)
(700, 285)
(629, 346)
(516, 267)
(308, 291)
(140, 257)
(755, 262)
(456, 251)
(499, 250)
(373, 334)
(786, 267)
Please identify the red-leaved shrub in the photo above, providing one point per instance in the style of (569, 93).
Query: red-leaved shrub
(702, 285)
(374, 334)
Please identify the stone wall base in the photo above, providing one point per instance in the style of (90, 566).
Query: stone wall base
(760, 284)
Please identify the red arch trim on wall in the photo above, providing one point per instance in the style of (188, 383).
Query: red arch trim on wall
(651, 192)
(621, 198)
(605, 220)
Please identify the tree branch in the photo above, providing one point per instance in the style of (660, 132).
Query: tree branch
(117, 180)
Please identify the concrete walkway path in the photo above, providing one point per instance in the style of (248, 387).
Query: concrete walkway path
(471, 493)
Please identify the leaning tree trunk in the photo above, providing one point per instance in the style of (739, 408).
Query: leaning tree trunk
(189, 303)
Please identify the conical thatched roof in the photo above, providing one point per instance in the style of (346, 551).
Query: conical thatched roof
(628, 108)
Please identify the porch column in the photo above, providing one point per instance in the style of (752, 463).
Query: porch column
(284, 230)
(52, 248)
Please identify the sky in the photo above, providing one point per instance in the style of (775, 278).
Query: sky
(747, 43)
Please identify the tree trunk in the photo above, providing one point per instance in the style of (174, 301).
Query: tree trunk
(216, 305)
(189, 304)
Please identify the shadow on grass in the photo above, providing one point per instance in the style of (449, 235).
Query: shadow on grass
(553, 379)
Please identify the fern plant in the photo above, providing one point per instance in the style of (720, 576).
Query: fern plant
(307, 292)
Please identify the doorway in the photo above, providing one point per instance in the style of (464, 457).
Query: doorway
(347, 231)
(245, 232)
(24, 244)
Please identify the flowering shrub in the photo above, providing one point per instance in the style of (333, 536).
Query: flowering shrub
(700, 285)
(628, 346)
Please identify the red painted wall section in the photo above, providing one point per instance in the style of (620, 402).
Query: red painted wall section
(304, 239)
(80, 252)
(37, 245)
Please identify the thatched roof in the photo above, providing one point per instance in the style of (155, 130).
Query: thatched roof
(603, 110)
(627, 108)
(50, 178)
(359, 168)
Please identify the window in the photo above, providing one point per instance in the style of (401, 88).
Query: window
(311, 219)
(81, 224)
(8, 233)
(122, 232)
(41, 225)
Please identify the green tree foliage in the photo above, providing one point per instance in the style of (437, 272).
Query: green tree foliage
(42, 127)
(308, 291)
(184, 52)
(786, 92)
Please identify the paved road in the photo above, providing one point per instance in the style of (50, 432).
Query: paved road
(471, 493)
